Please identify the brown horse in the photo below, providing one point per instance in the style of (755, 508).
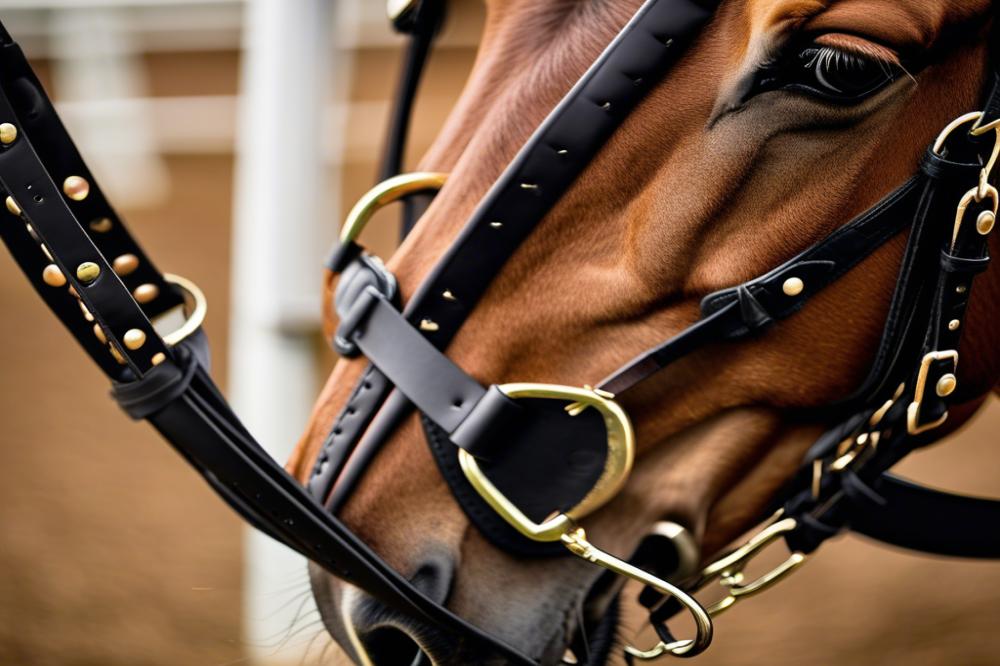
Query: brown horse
(707, 184)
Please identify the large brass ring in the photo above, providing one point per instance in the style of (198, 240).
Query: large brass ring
(385, 193)
(196, 307)
(617, 466)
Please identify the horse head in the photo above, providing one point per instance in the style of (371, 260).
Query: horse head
(783, 120)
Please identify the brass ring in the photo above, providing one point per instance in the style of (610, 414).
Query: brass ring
(195, 318)
(385, 193)
(684, 647)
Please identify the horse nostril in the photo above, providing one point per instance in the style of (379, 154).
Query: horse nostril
(389, 639)
(388, 646)
(434, 577)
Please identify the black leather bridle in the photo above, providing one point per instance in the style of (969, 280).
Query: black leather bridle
(514, 454)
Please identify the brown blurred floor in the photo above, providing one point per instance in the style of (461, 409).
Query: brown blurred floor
(113, 551)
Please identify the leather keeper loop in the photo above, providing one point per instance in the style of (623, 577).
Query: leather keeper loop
(341, 255)
(357, 313)
(159, 387)
(953, 264)
(482, 430)
(940, 168)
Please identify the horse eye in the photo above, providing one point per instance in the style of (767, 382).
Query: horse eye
(829, 73)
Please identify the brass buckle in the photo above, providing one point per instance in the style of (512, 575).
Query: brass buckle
(729, 569)
(196, 310)
(978, 129)
(388, 191)
(977, 194)
(563, 526)
(621, 453)
(913, 425)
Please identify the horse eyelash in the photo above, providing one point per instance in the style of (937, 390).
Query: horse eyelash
(830, 59)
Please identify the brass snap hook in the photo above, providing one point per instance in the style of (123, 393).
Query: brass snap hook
(563, 527)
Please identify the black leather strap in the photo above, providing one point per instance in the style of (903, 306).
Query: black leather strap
(933, 292)
(200, 425)
(41, 156)
(743, 310)
(930, 521)
(421, 23)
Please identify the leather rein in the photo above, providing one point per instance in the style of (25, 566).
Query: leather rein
(527, 462)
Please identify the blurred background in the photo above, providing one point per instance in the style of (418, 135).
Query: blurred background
(233, 135)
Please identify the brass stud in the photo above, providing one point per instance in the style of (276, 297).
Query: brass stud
(448, 296)
(101, 225)
(117, 354)
(961, 289)
(159, 357)
(946, 385)
(72, 292)
(985, 222)
(496, 225)
(45, 251)
(52, 276)
(8, 133)
(86, 313)
(76, 187)
(134, 338)
(99, 334)
(125, 264)
(954, 324)
(793, 286)
(13, 207)
(529, 186)
(145, 293)
(88, 271)
(429, 325)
